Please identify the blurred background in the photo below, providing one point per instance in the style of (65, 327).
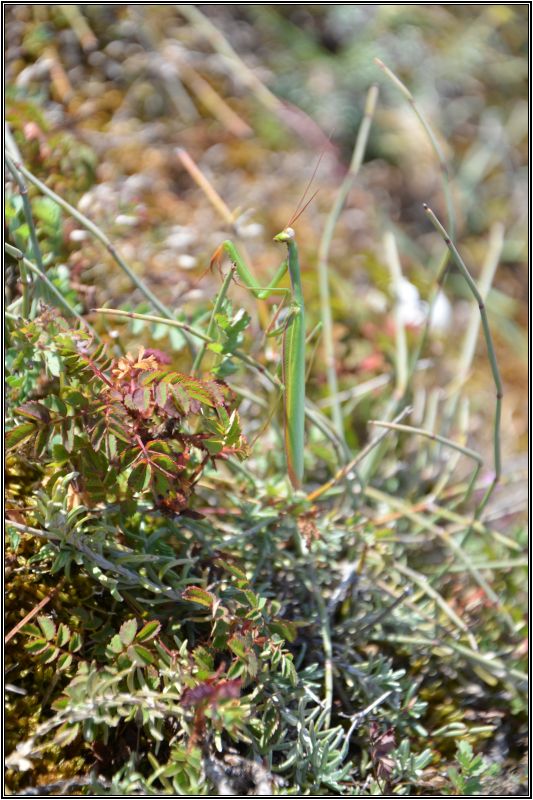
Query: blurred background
(99, 98)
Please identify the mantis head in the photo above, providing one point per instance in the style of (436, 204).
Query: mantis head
(285, 235)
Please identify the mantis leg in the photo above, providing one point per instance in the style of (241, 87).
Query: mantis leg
(246, 276)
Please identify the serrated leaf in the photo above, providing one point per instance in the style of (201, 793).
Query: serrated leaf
(238, 646)
(53, 363)
(140, 656)
(35, 411)
(182, 401)
(164, 462)
(140, 477)
(36, 646)
(47, 626)
(19, 434)
(31, 629)
(63, 635)
(232, 569)
(284, 628)
(142, 399)
(195, 594)
(161, 393)
(215, 347)
(49, 655)
(64, 661)
(75, 642)
(127, 631)
(115, 645)
(195, 389)
(148, 631)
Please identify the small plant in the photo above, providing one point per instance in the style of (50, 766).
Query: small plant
(124, 425)
(471, 771)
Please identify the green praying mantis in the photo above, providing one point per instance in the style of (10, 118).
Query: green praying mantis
(294, 341)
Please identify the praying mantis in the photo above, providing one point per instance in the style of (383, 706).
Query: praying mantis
(293, 353)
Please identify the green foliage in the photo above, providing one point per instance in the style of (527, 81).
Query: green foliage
(125, 426)
(178, 623)
(467, 778)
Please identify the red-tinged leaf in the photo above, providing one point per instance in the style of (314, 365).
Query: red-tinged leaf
(151, 377)
(197, 694)
(228, 689)
(127, 631)
(158, 446)
(160, 356)
(148, 631)
(35, 411)
(142, 400)
(217, 390)
(195, 594)
(161, 394)
(19, 434)
(182, 401)
(196, 390)
(211, 692)
(140, 477)
(382, 744)
(40, 441)
(165, 463)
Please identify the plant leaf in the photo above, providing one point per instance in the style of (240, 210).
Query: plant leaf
(148, 631)
(127, 631)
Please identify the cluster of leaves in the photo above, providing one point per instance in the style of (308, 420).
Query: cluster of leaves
(125, 425)
(187, 653)
(212, 665)
(467, 778)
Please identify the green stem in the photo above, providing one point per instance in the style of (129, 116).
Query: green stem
(101, 237)
(443, 164)
(419, 519)
(323, 257)
(491, 353)
(429, 435)
(347, 470)
(15, 253)
(395, 269)
(174, 323)
(24, 279)
(221, 296)
(23, 189)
